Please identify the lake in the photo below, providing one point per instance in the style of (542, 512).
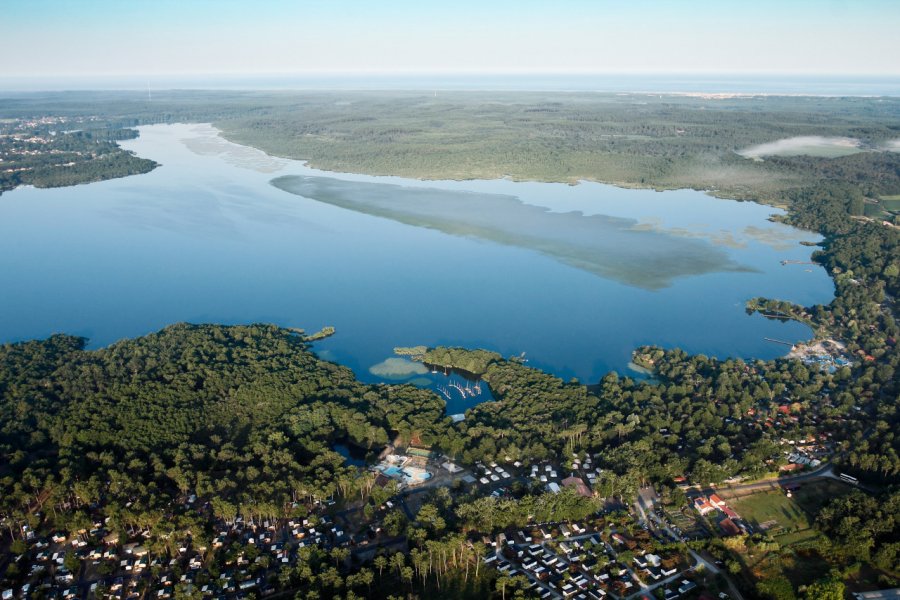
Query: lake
(573, 276)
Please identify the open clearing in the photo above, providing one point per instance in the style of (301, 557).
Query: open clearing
(772, 511)
(890, 202)
(788, 517)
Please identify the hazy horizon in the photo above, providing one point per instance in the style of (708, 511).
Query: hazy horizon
(94, 40)
(664, 83)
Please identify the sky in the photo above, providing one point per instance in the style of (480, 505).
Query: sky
(147, 38)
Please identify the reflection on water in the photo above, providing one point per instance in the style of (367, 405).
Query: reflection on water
(611, 247)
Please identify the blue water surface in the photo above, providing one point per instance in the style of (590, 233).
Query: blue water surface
(206, 238)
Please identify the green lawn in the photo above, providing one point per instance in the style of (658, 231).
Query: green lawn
(890, 202)
(793, 516)
(773, 511)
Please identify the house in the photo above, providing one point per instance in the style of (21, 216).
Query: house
(728, 527)
(577, 483)
(716, 501)
(686, 586)
(703, 507)
(451, 467)
(730, 513)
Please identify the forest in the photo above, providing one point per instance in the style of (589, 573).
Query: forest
(242, 414)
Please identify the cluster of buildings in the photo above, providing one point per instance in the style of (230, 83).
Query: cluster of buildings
(805, 453)
(827, 362)
(409, 469)
(728, 521)
(492, 473)
(581, 469)
(96, 563)
(571, 560)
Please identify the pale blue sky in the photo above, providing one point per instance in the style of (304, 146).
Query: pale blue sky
(42, 38)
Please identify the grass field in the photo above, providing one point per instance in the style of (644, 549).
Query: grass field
(791, 524)
(885, 206)
(890, 202)
(772, 511)
(790, 519)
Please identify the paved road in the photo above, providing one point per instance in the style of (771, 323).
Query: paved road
(823, 472)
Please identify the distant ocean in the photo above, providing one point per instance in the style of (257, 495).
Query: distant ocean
(615, 83)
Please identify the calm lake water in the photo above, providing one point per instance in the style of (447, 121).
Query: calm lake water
(574, 276)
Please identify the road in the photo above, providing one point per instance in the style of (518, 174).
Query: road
(823, 472)
(645, 500)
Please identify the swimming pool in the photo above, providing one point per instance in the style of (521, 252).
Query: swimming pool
(415, 475)
(393, 472)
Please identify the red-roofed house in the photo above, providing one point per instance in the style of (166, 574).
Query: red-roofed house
(729, 528)
(716, 501)
(730, 513)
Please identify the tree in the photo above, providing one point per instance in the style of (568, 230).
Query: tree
(339, 555)
(828, 589)
(72, 563)
(18, 547)
(380, 563)
(777, 588)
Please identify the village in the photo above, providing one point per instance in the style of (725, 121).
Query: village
(618, 552)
